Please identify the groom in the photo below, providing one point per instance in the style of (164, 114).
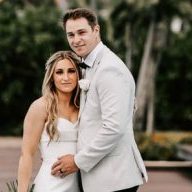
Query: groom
(107, 155)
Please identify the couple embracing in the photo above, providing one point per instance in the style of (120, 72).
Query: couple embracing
(83, 123)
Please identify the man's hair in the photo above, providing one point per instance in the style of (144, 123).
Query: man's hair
(78, 13)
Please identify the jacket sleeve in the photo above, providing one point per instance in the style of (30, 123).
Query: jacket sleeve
(116, 90)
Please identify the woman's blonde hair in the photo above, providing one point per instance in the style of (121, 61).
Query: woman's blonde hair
(49, 90)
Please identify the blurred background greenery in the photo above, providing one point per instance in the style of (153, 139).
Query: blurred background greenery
(153, 37)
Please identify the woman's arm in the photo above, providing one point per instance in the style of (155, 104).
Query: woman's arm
(33, 126)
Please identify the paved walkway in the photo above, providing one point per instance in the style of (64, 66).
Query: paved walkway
(159, 180)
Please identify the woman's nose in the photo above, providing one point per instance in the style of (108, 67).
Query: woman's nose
(65, 76)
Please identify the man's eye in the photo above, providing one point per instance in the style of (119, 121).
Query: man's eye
(82, 32)
(70, 35)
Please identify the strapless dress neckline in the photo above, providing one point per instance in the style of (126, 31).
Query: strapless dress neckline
(50, 151)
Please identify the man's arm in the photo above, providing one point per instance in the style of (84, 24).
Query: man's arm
(116, 95)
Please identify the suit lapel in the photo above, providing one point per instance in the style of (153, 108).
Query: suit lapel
(89, 74)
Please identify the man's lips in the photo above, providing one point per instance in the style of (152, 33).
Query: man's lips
(79, 46)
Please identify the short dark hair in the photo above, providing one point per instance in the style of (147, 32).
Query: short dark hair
(78, 13)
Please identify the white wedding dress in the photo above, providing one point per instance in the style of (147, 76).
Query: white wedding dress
(66, 144)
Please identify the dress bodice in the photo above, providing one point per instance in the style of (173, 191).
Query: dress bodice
(67, 131)
(50, 151)
(64, 144)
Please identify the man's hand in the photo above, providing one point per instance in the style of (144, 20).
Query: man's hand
(64, 166)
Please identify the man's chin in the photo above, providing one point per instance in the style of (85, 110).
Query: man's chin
(79, 52)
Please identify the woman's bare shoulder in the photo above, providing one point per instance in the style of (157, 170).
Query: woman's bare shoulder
(38, 106)
(40, 102)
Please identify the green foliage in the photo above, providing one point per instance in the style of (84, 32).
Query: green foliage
(152, 149)
(186, 140)
(30, 31)
(12, 186)
(174, 82)
(174, 76)
(28, 36)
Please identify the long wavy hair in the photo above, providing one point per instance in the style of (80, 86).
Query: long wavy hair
(50, 93)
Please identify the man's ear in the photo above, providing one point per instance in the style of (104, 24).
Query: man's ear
(97, 28)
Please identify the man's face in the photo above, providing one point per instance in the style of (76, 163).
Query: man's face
(81, 37)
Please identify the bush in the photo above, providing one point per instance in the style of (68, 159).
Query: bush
(152, 149)
(186, 140)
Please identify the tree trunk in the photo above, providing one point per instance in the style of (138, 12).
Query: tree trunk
(93, 5)
(128, 45)
(142, 83)
(82, 3)
(160, 39)
(62, 4)
(150, 98)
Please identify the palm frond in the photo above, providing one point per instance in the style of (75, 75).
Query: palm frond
(12, 186)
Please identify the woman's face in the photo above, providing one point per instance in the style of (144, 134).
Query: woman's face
(65, 76)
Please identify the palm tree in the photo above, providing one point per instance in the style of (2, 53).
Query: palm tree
(139, 20)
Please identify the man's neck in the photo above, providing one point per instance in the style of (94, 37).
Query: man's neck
(92, 50)
(89, 60)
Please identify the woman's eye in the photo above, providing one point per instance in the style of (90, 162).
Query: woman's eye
(59, 72)
(71, 71)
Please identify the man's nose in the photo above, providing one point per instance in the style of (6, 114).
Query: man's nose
(76, 39)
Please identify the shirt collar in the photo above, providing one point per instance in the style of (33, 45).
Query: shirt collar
(89, 60)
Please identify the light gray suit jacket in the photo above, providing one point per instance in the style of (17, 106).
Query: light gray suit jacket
(108, 156)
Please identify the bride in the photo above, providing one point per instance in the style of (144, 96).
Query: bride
(51, 124)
